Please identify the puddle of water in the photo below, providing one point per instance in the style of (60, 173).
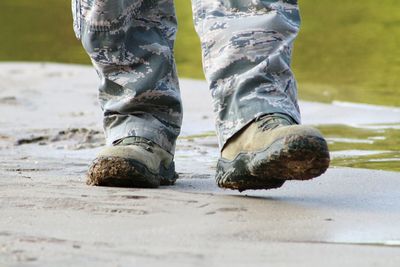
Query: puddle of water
(197, 136)
(389, 243)
(374, 146)
(355, 153)
(349, 140)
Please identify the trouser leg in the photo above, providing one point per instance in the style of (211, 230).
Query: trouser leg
(247, 47)
(130, 43)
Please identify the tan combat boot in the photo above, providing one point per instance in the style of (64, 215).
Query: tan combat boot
(132, 162)
(270, 151)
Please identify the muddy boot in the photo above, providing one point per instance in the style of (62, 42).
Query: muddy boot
(132, 162)
(270, 151)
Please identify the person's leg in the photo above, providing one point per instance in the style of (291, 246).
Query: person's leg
(130, 43)
(247, 48)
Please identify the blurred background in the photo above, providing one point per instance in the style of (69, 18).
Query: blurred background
(346, 51)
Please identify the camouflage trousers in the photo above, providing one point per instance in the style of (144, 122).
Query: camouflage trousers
(246, 48)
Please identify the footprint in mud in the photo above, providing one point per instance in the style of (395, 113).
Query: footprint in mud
(134, 197)
(231, 209)
(31, 140)
(4, 137)
(225, 210)
(203, 205)
(5, 233)
(73, 139)
(37, 239)
(188, 175)
(20, 170)
(8, 100)
(129, 197)
(125, 211)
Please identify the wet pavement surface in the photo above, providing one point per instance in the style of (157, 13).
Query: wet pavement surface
(50, 131)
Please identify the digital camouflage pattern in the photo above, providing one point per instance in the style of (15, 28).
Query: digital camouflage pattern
(130, 43)
(246, 57)
(246, 46)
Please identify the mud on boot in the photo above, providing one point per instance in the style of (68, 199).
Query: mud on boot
(132, 162)
(270, 151)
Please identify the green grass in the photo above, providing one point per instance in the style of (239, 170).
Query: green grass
(346, 50)
(38, 30)
(349, 50)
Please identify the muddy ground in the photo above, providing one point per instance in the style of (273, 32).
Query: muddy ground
(50, 130)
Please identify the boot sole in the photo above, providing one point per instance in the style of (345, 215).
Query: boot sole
(290, 158)
(122, 172)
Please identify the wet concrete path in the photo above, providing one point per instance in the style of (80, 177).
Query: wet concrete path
(50, 130)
